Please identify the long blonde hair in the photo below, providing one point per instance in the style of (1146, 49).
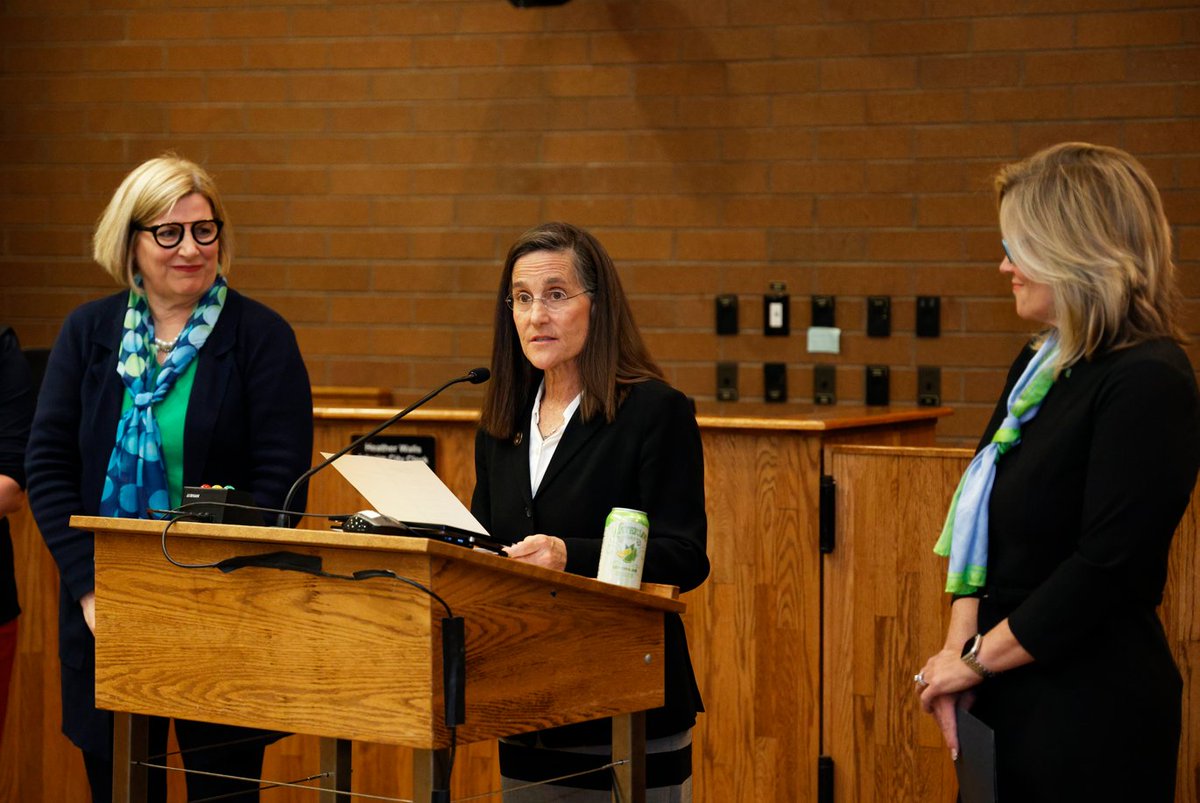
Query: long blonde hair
(149, 191)
(1088, 221)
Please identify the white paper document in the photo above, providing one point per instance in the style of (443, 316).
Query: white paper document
(406, 490)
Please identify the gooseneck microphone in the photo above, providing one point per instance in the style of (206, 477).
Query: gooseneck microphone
(475, 376)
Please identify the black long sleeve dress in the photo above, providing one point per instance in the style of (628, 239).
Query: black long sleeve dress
(1081, 520)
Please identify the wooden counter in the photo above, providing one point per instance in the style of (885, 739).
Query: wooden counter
(754, 626)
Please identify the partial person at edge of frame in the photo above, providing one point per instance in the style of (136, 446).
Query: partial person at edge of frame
(578, 420)
(16, 411)
(177, 380)
(1059, 533)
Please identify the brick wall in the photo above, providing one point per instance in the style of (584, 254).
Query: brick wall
(378, 159)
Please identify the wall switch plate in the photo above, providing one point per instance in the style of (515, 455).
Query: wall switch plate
(929, 316)
(775, 381)
(929, 385)
(727, 314)
(823, 310)
(824, 384)
(727, 381)
(879, 316)
(877, 385)
(776, 312)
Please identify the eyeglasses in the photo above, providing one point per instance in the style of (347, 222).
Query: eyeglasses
(553, 301)
(169, 235)
(1007, 253)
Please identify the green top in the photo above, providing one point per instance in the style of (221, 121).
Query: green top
(171, 412)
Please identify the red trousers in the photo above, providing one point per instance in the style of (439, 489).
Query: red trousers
(8, 652)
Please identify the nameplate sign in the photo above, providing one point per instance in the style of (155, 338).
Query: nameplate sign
(400, 447)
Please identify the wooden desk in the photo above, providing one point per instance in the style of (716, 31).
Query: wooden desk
(755, 626)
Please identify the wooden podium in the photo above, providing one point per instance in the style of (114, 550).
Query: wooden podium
(362, 660)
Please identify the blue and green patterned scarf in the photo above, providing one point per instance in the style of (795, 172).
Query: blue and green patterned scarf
(137, 477)
(965, 535)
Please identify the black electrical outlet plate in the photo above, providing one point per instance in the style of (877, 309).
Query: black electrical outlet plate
(824, 384)
(776, 314)
(775, 381)
(929, 316)
(822, 311)
(929, 385)
(879, 316)
(727, 314)
(877, 385)
(727, 381)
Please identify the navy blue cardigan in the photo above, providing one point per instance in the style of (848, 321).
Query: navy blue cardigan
(249, 424)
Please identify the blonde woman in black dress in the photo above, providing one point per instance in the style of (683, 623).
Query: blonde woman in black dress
(1059, 648)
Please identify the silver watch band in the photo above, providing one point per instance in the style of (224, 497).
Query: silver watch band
(970, 657)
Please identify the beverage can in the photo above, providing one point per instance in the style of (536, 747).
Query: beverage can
(623, 551)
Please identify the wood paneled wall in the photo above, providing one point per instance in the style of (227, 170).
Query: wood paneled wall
(754, 626)
(775, 698)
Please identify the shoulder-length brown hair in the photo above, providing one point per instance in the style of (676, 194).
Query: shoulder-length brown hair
(613, 357)
(1088, 221)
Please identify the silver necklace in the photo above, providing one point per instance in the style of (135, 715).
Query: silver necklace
(165, 346)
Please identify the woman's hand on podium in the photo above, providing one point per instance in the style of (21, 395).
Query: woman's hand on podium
(540, 550)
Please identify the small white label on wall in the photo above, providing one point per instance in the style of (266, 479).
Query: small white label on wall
(824, 339)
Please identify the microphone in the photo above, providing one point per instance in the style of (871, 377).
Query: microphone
(475, 376)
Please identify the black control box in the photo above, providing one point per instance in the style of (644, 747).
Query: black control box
(217, 503)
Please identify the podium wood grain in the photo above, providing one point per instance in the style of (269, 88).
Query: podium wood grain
(360, 660)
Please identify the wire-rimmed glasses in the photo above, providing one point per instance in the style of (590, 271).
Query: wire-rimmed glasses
(553, 301)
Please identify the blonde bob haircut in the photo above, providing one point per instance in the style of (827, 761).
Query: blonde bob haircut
(151, 190)
(1088, 221)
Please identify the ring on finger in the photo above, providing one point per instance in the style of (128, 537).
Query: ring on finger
(919, 679)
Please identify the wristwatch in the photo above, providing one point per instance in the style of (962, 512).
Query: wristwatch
(970, 656)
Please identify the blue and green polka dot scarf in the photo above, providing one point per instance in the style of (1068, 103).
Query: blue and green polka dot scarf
(137, 477)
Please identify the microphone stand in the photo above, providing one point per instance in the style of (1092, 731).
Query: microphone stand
(475, 376)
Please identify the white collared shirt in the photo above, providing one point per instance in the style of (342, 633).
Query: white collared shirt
(541, 449)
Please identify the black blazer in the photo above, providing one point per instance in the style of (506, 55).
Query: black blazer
(16, 411)
(649, 458)
(249, 424)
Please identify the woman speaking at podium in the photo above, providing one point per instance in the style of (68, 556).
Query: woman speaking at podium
(1059, 533)
(177, 380)
(578, 420)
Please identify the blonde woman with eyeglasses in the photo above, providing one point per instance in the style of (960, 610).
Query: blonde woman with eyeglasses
(177, 380)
